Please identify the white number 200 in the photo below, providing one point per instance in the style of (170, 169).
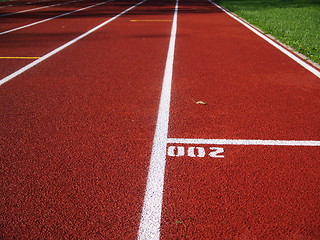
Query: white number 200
(214, 152)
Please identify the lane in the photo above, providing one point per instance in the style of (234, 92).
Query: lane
(62, 13)
(252, 90)
(254, 192)
(274, 43)
(44, 38)
(78, 131)
(7, 4)
(227, 174)
(13, 20)
(24, 9)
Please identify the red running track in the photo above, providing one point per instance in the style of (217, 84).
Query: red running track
(77, 129)
(40, 39)
(252, 91)
(59, 8)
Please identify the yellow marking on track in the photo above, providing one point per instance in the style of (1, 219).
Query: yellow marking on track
(19, 57)
(159, 20)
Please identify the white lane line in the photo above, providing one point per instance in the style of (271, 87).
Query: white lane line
(25, 68)
(48, 19)
(149, 228)
(244, 142)
(34, 9)
(273, 43)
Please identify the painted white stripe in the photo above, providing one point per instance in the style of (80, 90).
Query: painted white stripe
(273, 43)
(244, 142)
(151, 213)
(38, 8)
(25, 68)
(48, 19)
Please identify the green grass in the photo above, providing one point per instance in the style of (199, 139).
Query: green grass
(293, 22)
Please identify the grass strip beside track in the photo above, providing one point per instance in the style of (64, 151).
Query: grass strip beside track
(293, 22)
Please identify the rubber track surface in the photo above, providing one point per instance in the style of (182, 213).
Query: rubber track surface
(77, 129)
(21, 19)
(252, 91)
(40, 39)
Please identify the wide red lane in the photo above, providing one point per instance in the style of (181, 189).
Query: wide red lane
(252, 90)
(39, 40)
(77, 129)
(30, 8)
(254, 192)
(22, 19)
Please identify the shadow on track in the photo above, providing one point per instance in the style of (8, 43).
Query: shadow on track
(149, 8)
